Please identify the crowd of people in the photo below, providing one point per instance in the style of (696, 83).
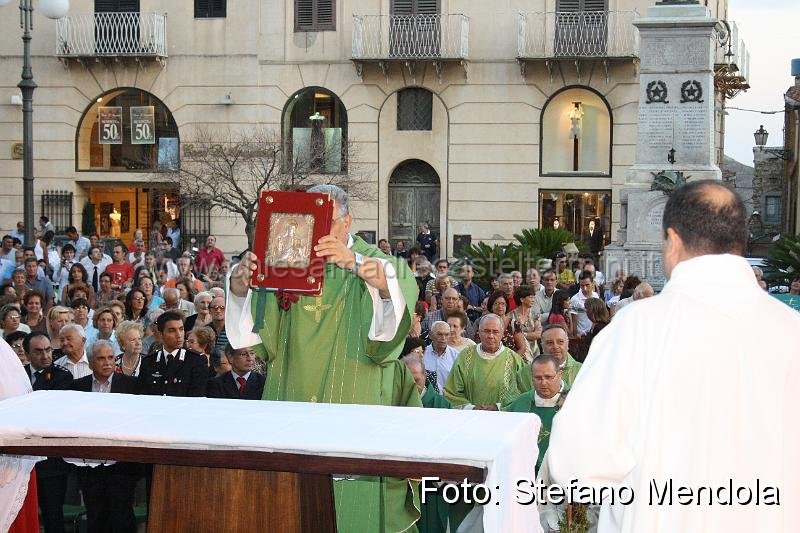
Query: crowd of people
(146, 321)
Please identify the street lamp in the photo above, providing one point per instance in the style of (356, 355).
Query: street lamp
(54, 9)
(760, 136)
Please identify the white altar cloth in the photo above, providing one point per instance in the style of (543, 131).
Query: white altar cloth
(503, 443)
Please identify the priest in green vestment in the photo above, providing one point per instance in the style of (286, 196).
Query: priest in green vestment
(555, 342)
(544, 400)
(338, 347)
(484, 376)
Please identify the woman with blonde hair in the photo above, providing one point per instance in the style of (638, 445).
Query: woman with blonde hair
(57, 317)
(129, 334)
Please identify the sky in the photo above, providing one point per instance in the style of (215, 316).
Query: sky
(770, 30)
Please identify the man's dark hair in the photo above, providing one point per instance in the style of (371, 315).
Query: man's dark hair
(168, 316)
(26, 342)
(44, 218)
(71, 229)
(7, 236)
(31, 260)
(67, 247)
(709, 217)
(586, 274)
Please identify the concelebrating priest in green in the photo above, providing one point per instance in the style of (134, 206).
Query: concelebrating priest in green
(484, 376)
(545, 399)
(339, 347)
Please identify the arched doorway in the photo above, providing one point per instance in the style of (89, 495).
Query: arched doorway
(414, 191)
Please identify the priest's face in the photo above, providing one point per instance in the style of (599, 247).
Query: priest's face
(555, 342)
(491, 333)
(340, 228)
(546, 379)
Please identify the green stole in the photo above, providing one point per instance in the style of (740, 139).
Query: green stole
(318, 351)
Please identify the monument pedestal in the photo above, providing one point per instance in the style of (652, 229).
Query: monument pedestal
(675, 129)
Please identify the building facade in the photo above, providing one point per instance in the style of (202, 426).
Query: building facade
(481, 118)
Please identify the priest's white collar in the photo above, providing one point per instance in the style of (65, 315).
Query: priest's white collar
(350, 241)
(538, 401)
(489, 355)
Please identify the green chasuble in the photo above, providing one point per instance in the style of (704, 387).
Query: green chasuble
(480, 381)
(525, 378)
(525, 404)
(319, 351)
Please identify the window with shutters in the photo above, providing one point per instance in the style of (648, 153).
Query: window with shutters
(116, 6)
(414, 109)
(772, 209)
(314, 15)
(415, 7)
(581, 28)
(206, 9)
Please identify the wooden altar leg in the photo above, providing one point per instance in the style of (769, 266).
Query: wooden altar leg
(212, 500)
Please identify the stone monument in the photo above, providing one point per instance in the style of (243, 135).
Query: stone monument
(675, 129)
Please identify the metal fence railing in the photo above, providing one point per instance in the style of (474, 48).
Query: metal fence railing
(434, 36)
(130, 34)
(552, 34)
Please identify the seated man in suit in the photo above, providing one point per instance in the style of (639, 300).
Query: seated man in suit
(173, 370)
(108, 489)
(51, 474)
(241, 382)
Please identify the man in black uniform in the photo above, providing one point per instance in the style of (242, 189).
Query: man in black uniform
(173, 370)
(51, 474)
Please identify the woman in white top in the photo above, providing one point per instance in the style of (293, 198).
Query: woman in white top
(458, 322)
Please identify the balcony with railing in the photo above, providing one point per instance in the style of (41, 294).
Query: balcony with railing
(410, 38)
(98, 35)
(577, 35)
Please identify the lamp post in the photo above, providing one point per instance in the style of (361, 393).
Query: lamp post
(53, 9)
(760, 136)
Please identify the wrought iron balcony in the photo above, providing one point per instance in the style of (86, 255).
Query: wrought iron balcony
(577, 35)
(410, 37)
(96, 35)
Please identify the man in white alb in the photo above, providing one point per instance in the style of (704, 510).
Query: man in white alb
(681, 403)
